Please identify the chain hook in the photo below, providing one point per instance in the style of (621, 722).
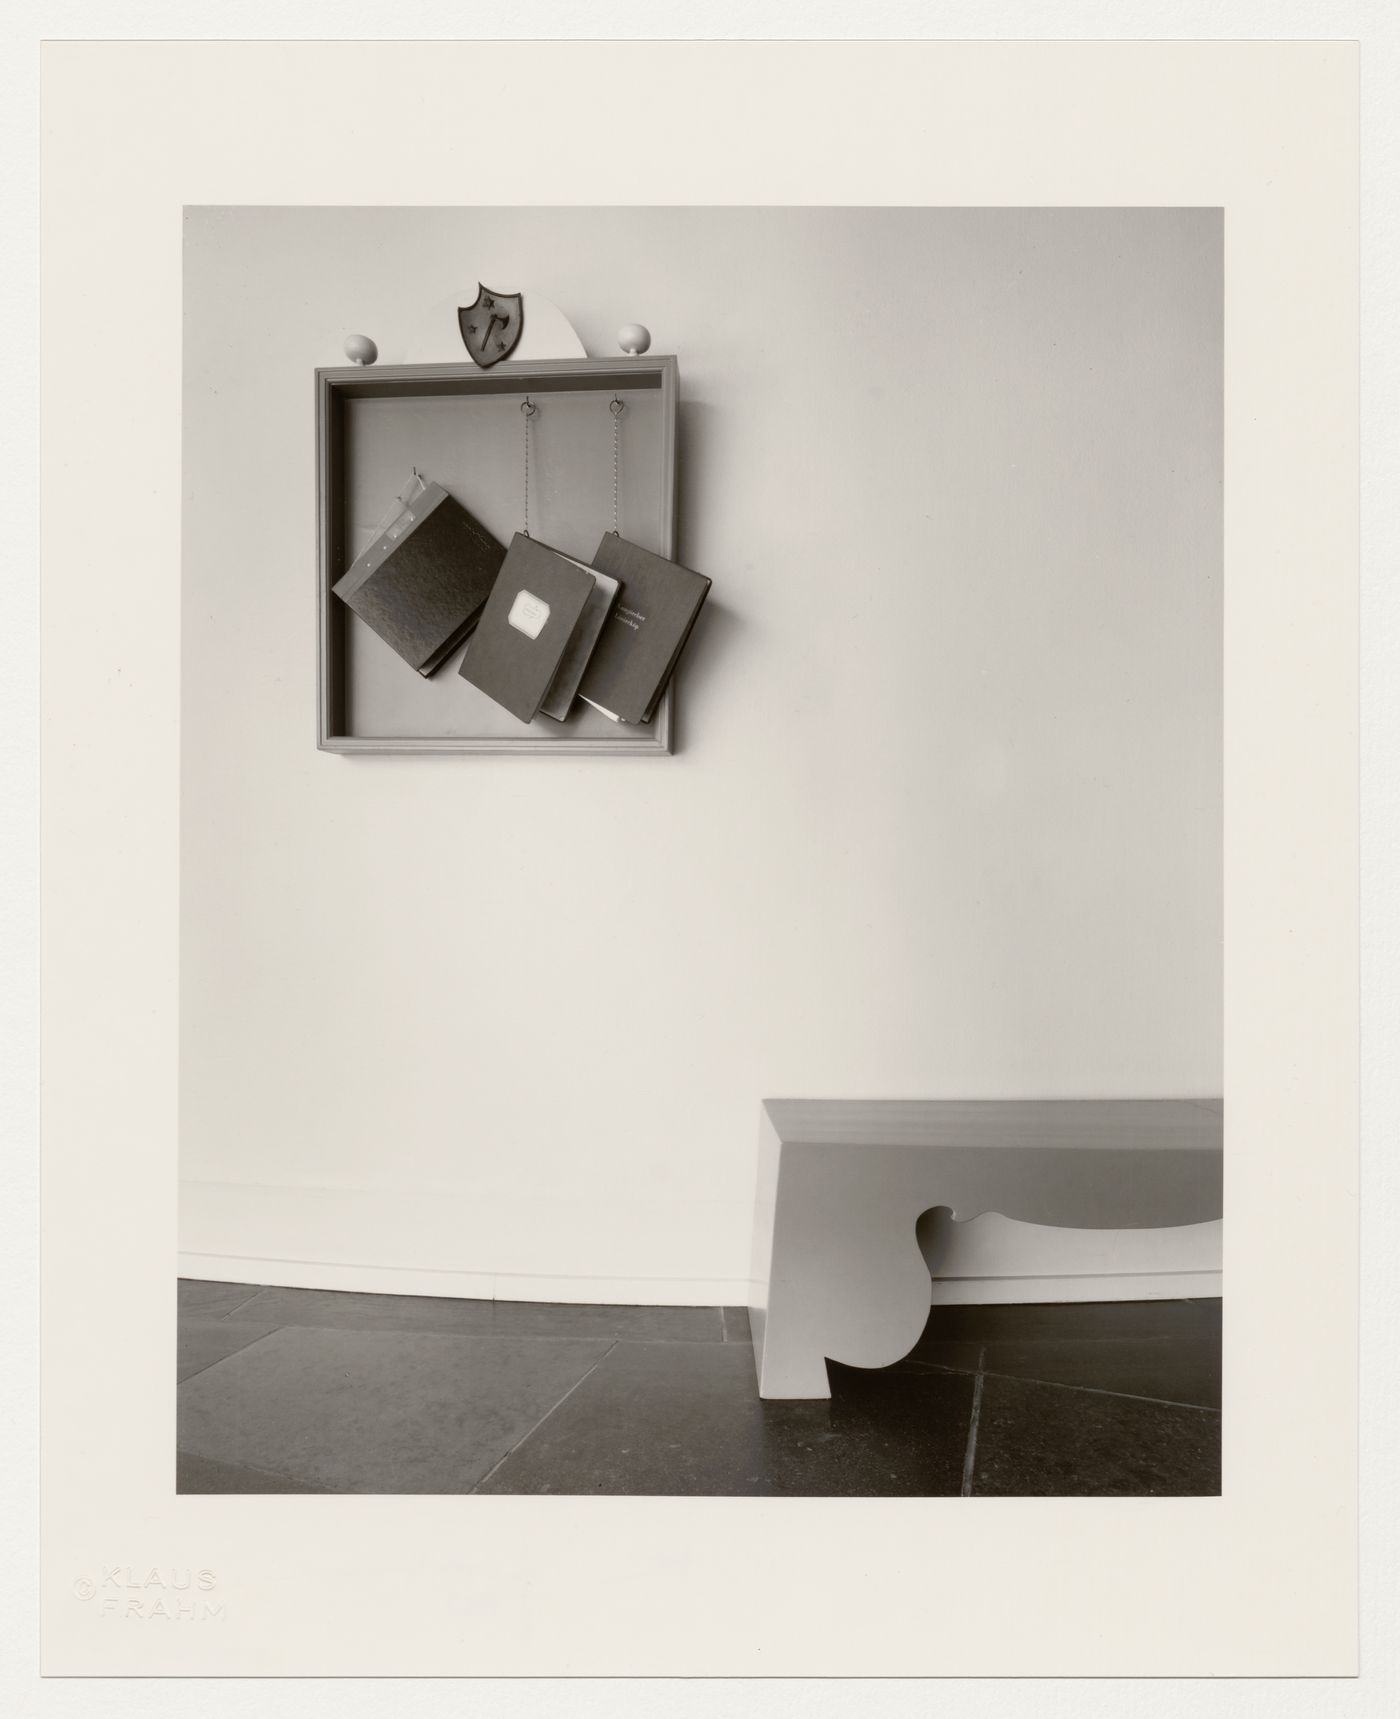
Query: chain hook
(527, 410)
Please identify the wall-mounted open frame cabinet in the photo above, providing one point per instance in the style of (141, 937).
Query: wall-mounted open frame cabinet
(463, 427)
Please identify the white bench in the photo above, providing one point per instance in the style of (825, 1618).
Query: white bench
(837, 1272)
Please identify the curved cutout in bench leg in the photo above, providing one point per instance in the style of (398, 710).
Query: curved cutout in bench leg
(933, 1231)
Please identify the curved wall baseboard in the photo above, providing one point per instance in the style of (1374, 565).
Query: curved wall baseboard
(420, 1244)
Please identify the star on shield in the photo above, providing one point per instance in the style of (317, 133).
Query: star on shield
(491, 327)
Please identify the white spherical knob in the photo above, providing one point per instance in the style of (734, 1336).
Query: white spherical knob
(360, 349)
(633, 338)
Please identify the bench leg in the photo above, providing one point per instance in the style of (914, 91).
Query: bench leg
(788, 1363)
(847, 1283)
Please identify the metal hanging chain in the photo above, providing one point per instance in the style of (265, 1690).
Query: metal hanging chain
(528, 410)
(617, 408)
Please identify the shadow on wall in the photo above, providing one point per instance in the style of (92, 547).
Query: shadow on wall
(695, 427)
(701, 663)
(718, 621)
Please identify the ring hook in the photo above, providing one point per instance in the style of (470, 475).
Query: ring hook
(617, 407)
(528, 407)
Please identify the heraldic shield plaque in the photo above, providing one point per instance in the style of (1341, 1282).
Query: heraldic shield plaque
(491, 327)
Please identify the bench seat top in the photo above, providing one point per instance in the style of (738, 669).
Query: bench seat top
(1129, 1124)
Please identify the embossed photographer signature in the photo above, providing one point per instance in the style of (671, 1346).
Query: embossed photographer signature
(181, 1595)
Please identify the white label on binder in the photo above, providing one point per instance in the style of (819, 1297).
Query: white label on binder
(528, 614)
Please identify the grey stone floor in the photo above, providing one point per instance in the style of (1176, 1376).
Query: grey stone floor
(290, 1390)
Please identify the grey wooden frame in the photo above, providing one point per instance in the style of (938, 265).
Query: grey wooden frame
(406, 381)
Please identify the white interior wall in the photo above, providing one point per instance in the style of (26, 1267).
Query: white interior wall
(945, 817)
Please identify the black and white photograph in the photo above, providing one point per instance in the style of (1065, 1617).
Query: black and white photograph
(700, 871)
(701, 950)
